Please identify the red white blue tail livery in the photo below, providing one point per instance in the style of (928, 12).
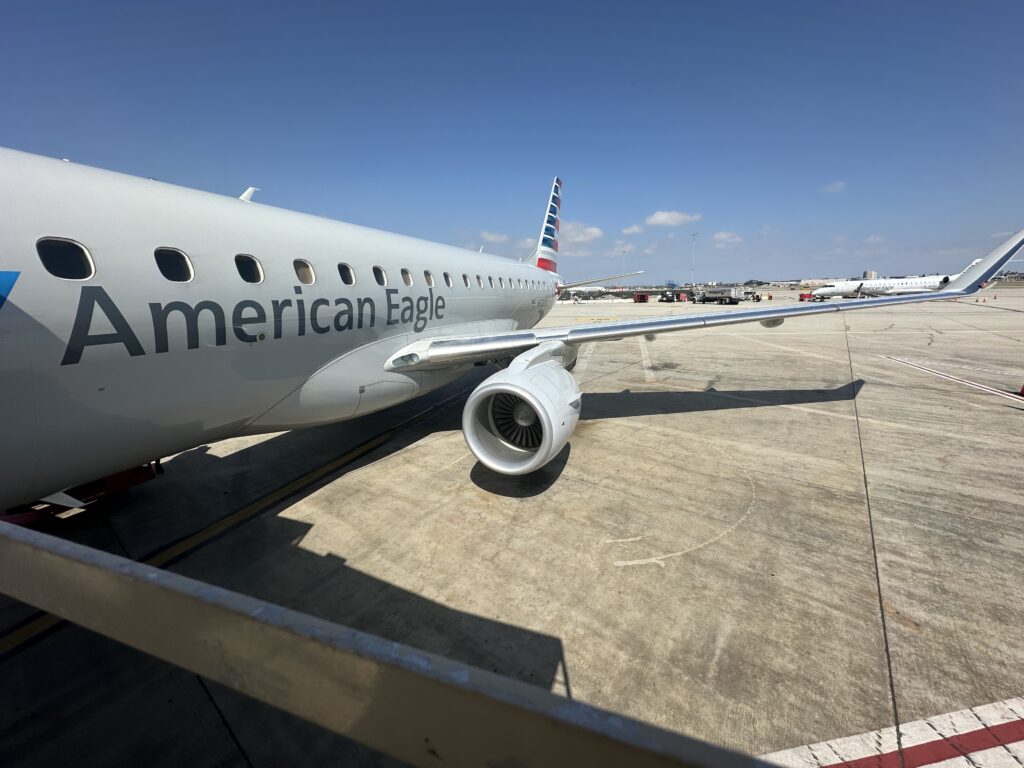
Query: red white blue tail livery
(546, 255)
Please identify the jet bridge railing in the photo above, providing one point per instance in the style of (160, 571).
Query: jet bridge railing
(413, 705)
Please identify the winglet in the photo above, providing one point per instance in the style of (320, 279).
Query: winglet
(247, 195)
(980, 271)
(546, 254)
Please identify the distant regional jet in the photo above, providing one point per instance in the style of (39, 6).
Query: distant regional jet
(886, 286)
(139, 319)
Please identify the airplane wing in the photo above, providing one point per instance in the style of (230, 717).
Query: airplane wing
(444, 352)
(591, 281)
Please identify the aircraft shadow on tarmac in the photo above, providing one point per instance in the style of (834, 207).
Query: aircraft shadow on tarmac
(609, 405)
(521, 486)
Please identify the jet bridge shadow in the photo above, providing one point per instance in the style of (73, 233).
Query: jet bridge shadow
(611, 405)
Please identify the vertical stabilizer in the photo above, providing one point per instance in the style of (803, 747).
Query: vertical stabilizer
(546, 255)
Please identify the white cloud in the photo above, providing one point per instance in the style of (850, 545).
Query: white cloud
(526, 244)
(767, 230)
(671, 218)
(493, 237)
(834, 188)
(620, 247)
(578, 232)
(1000, 235)
(873, 239)
(726, 239)
(636, 229)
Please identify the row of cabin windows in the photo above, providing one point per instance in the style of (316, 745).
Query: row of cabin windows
(69, 260)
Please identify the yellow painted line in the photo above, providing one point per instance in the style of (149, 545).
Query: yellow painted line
(189, 543)
(26, 632)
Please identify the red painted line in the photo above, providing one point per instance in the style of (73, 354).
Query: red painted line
(943, 749)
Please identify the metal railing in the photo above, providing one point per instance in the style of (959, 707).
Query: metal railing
(413, 705)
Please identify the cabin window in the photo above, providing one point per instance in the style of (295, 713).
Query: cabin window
(248, 268)
(428, 277)
(448, 280)
(511, 283)
(173, 264)
(501, 282)
(465, 279)
(479, 281)
(380, 276)
(407, 277)
(520, 283)
(65, 259)
(348, 277)
(490, 281)
(304, 271)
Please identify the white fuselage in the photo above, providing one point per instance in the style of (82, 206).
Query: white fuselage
(215, 356)
(886, 286)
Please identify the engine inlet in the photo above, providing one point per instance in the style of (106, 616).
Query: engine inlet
(516, 422)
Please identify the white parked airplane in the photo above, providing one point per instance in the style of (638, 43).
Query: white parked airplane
(886, 286)
(139, 319)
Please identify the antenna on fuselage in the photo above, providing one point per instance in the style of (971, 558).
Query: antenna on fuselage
(247, 195)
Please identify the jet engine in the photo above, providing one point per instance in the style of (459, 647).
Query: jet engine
(519, 419)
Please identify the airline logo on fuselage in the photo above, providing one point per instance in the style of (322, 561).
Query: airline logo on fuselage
(249, 319)
(7, 281)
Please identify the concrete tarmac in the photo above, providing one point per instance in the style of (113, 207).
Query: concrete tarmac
(759, 537)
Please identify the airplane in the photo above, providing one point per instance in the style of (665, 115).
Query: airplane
(886, 286)
(139, 319)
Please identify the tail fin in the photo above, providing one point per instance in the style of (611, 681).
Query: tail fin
(546, 255)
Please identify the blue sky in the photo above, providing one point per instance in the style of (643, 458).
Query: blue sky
(797, 139)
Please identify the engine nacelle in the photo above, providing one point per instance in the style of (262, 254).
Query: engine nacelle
(519, 419)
